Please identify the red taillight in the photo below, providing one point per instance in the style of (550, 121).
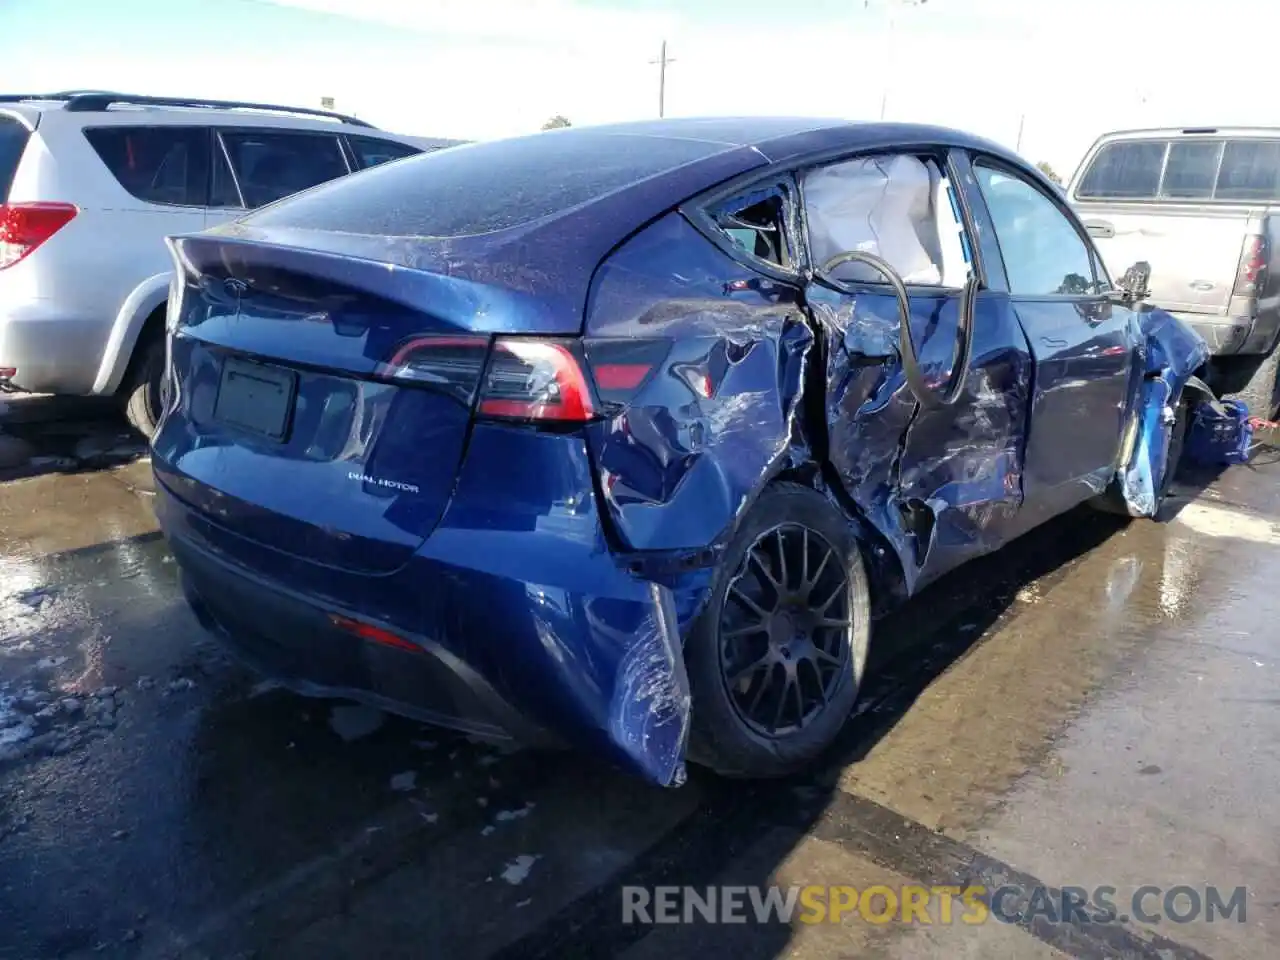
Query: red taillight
(1251, 275)
(621, 376)
(622, 365)
(24, 226)
(450, 364)
(530, 379)
(367, 631)
(523, 378)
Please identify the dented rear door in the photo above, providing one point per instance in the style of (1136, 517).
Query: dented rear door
(943, 484)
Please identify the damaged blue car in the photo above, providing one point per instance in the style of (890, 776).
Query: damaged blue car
(616, 437)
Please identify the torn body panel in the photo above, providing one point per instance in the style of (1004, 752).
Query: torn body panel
(513, 619)
(1172, 353)
(721, 414)
(941, 485)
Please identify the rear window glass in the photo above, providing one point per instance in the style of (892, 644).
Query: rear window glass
(1237, 171)
(1127, 169)
(269, 165)
(168, 165)
(1250, 171)
(13, 140)
(484, 187)
(1191, 170)
(370, 151)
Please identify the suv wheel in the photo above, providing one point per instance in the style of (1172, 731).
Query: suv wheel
(144, 393)
(776, 658)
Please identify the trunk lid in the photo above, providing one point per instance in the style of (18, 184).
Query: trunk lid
(284, 427)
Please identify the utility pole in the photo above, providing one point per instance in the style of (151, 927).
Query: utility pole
(662, 62)
(1022, 120)
(893, 7)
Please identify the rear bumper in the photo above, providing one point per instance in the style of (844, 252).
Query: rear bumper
(523, 623)
(53, 352)
(294, 641)
(1228, 336)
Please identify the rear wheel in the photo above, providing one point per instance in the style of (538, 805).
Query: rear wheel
(144, 391)
(1252, 379)
(776, 658)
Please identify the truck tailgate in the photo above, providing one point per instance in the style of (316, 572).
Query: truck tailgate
(1194, 254)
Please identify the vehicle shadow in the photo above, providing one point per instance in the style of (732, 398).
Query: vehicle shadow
(272, 776)
(741, 833)
(43, 434)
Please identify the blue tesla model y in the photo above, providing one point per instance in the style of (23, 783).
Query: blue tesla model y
(610, 437)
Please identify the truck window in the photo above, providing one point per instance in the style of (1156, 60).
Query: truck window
(1191, 170)
(1250, 171)
(1125, 169)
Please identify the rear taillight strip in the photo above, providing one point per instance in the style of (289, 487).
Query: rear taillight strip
(514, 378)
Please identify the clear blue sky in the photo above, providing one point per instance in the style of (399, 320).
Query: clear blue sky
(485, 68)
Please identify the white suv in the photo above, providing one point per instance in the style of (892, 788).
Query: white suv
(92, 183)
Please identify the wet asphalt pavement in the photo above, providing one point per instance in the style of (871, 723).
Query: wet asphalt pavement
(1099, 704)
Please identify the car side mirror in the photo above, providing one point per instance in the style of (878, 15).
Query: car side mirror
(1135, 284)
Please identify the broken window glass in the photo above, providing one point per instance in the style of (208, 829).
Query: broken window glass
(756, 222)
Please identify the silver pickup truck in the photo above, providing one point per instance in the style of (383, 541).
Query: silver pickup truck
(1200, 205)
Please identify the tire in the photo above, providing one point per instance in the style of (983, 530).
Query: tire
(1253, 380)
(144, 392)
(741, 674)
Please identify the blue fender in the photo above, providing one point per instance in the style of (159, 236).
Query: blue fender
(1172, 353)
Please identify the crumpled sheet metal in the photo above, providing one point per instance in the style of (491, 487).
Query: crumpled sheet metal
(679, 464)
(577, 643)
(960, 464)
(1173, 353)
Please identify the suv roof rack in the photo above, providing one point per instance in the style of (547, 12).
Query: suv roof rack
(88, 101)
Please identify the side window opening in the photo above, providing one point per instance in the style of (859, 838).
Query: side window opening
(901, 208)
(1043, 252)
(372, 151)
(271, 164)
(13, 141)
(757, 222)
(167, 165)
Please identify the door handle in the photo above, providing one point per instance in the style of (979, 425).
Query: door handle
(1100, 229)
(1053, 342)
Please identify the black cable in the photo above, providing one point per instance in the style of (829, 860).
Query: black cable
(963, 351)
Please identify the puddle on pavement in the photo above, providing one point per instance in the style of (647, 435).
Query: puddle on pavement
(236, 809)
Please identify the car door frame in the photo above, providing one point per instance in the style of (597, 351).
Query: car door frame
(1044, 499)
(910, 524)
